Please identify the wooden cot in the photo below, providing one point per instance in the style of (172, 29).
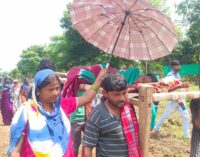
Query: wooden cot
(145, 99)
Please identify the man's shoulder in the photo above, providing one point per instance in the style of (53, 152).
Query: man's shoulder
(98, 112)
(99, 107)
(173, 75)
(170, 73)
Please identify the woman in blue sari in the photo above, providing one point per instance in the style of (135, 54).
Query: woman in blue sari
(41, 126)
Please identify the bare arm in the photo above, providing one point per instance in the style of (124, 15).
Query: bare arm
(174, 87)
(62, 75)
(90, 93)
(182, 85)
(17, 150)
(84, 87)
(88, 151)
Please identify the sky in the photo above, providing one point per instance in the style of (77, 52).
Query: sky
(30, 22)
(25, 23)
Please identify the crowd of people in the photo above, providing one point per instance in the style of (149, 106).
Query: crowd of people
(57, 113)
(12, 94)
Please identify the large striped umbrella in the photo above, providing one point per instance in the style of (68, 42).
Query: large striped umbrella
(131, 29)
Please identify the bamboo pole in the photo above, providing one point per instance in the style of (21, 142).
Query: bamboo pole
(145, 102)
(176, 95)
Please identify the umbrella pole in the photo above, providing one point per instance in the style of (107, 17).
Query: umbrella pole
(146, 67)
(123, 23)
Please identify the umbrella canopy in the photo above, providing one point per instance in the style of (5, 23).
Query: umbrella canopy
(131, 29)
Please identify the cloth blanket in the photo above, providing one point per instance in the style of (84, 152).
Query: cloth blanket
(81, 75)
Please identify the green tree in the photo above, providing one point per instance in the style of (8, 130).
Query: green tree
(160, 4)
(78, 51)
(29, 60)
(191, 11)
(57, 50)
(15, 74)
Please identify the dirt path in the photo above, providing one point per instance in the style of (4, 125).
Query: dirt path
(4, 135)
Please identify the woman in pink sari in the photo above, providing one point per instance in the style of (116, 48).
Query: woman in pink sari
(7, 100)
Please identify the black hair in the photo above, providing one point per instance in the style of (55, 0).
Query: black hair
(114, 82)
(175, 62)
(47, 81)
(195, 110)
(45, 63)
(30, 93)
(153, 77)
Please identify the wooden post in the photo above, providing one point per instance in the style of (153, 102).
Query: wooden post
(145, 103)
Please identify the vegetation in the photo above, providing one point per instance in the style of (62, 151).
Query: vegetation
(70, 49)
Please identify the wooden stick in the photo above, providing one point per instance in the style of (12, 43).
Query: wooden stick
(175, 95)
(132, 99)
(145, 101)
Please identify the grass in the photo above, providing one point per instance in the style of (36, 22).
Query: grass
(194, 87)
(170, 141)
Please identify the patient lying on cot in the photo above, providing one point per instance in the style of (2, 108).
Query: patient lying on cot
(167, 84)
(164, 85)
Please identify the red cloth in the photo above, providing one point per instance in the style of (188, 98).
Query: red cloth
(73, 78)
(73, 81)
(131, 130)
(68, 105)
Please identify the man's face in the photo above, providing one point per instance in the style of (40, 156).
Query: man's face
(116, 98)
(144, 79)
(176, 67)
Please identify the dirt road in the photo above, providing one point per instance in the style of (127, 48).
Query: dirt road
(4, 138)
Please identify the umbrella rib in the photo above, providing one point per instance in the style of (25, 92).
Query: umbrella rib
(149, 9)
(107, 10)
(116, 4)
(144, 39)
(110, 13)
(133, 4)
(116, 12)
(125, 5)
(102, 26)
(122, 25)
(129, 37)
(154, 33)
(156, 21)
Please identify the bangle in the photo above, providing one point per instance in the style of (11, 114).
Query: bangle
(94, 87)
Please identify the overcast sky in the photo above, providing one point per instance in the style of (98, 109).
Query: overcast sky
(29, 22)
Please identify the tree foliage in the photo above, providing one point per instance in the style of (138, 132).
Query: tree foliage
(29, 60)
(191, 11)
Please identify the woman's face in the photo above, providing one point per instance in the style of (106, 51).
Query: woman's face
(49, 93)
(7, 81)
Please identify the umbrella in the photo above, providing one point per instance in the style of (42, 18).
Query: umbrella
(131, 29)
